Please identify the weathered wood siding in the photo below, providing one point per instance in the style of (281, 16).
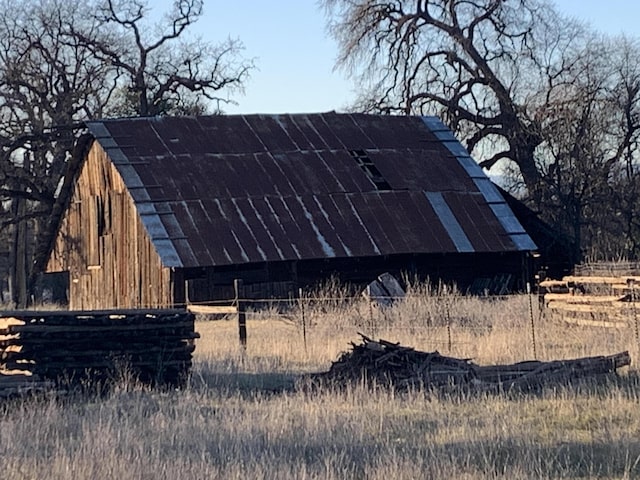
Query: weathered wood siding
(105, 247)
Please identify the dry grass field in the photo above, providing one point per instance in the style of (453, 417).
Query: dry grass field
(241, 417)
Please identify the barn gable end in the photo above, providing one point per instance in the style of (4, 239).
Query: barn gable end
(104, 245)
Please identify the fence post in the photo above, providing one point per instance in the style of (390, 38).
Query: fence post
(448, 313)
(242, 320)
(631, 284)
(372, 326)
(533, 328)
(304, 321)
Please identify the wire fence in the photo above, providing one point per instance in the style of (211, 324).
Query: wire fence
(447, 322)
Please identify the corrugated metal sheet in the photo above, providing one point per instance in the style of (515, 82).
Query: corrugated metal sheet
(224, 190)
(492, 196)
(451, 224)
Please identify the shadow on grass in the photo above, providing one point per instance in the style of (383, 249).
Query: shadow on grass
(594, 459)
(242, 382)
(602, 386)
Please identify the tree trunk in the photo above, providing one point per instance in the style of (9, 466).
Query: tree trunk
(18, 276)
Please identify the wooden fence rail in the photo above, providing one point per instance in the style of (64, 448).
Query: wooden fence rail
(605, 301)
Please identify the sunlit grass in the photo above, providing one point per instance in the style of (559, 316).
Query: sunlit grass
(243, 417)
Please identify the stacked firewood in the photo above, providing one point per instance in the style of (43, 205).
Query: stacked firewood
(399, 366)
(152, 346)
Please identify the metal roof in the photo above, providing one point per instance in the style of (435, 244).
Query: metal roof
(223, 190)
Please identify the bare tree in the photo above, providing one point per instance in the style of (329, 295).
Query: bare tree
(588, 160)
(48, 83)
(65, 62)
(162, 72)
(542, 95)
(476, 63)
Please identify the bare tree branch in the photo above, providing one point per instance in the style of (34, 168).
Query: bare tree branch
(556, 105)
(62, 63)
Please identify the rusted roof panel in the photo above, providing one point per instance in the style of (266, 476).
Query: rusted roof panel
(396, 132)
(321, 135)
(272, 133)
(228, 248)
(518, 238)
(432, 170)
(229, 134)
(190, 216)
(426, 229)
(481, 227)
(223, 190)
(354, 230)
(349, 133)
(452, 225)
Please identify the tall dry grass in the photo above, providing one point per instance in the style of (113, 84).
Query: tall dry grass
(241, 418)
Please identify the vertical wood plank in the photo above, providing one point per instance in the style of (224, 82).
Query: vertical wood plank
(131, 273)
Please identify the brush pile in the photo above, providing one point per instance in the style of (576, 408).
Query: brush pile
(398, 366)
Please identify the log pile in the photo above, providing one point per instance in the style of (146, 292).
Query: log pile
(152, 346)
(603, 301)
(391, 364)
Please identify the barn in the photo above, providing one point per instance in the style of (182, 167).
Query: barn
(169, 210)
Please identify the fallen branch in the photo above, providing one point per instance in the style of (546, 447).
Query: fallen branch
(399, 366)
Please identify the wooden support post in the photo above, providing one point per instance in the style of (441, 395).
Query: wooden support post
(242, 320)
(304, 321)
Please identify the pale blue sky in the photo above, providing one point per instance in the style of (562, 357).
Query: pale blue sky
(295, 57)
